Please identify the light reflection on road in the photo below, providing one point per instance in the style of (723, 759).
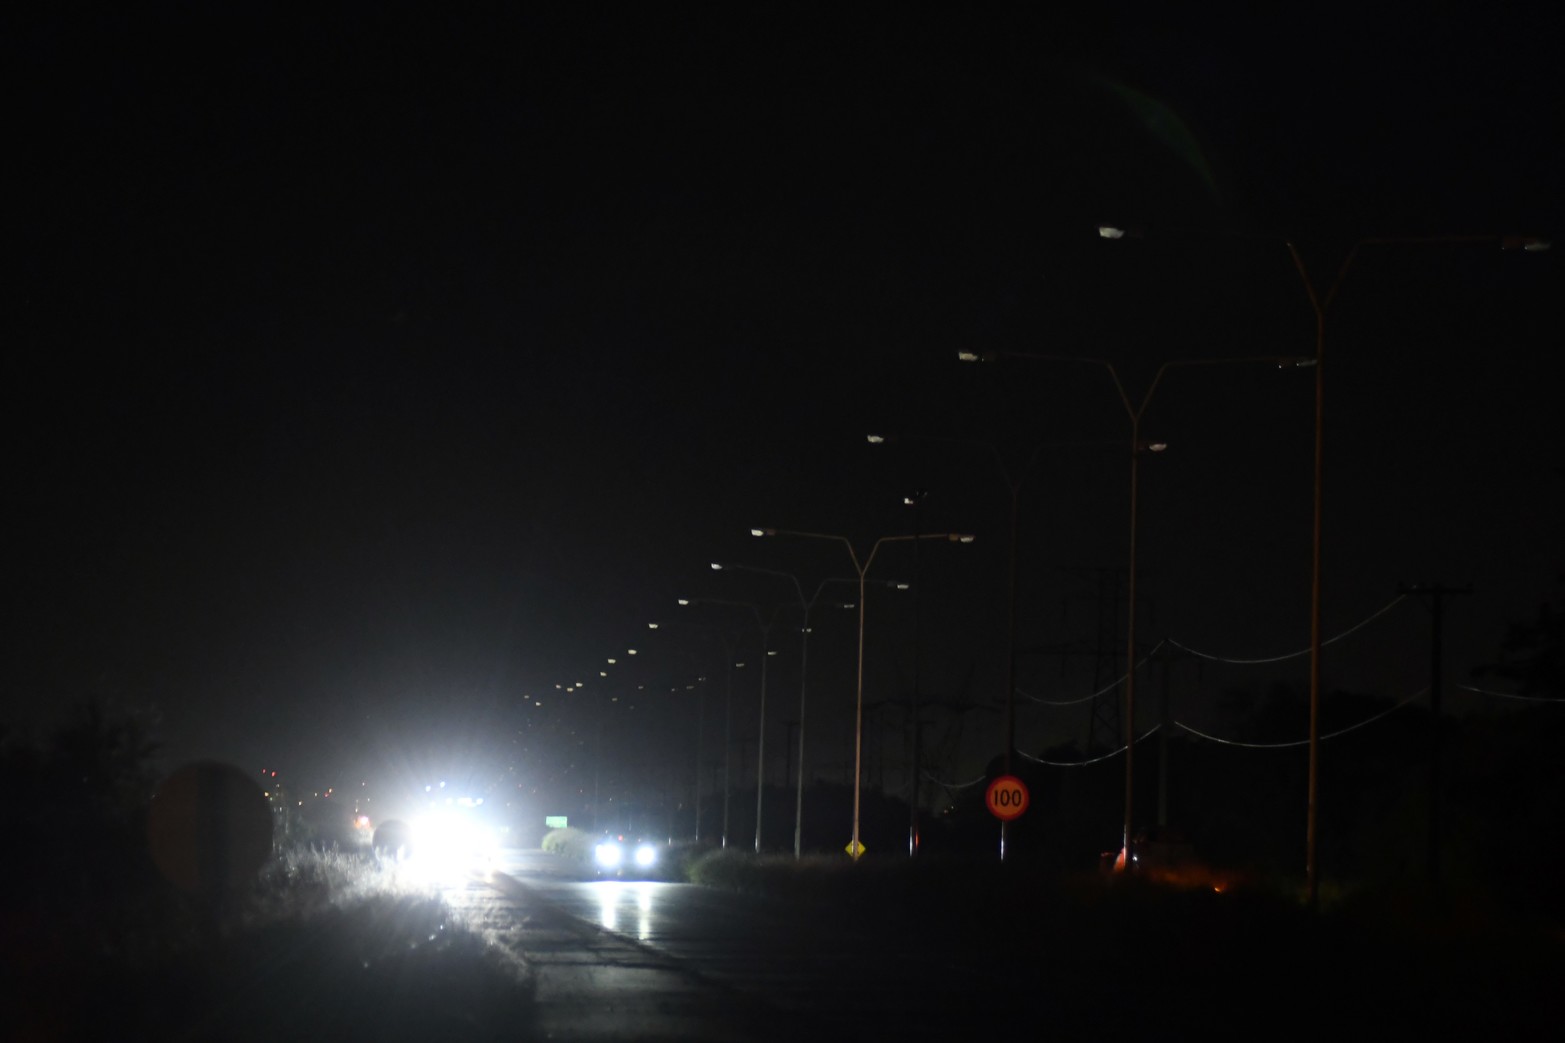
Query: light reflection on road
(622, 903)
(634, 959)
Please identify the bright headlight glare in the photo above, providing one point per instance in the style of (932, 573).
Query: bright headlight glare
(646, 854)
(608, 854)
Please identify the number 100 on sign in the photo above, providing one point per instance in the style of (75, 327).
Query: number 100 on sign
(1006, 797)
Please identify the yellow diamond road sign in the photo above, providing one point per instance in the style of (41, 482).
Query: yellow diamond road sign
(854, 848)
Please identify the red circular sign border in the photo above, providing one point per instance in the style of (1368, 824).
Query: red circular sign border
(989, 798)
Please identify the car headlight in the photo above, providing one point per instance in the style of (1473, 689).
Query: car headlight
(646, 855)
(608, 854)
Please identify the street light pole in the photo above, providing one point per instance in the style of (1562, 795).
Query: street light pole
(1133, 412)
(700, 732)
(1013, 483)
(728, 743)
(915, 777)
(1319, 304)
(808, 607)
(765, 626)
(855, 848)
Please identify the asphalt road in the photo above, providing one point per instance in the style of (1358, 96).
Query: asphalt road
(643, 960)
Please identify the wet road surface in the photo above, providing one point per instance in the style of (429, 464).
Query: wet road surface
(643, 960)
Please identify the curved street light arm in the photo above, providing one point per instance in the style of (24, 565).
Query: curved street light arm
(854, 847)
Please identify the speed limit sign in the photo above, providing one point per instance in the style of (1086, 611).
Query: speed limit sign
(1006, 798)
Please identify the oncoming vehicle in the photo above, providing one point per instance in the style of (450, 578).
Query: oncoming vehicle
(616, 854)
(443, 842)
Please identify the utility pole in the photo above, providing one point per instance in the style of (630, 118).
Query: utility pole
(1162, 739)
(915, 501)
(1435, 594)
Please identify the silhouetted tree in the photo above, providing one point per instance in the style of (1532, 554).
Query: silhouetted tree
(1533, 653)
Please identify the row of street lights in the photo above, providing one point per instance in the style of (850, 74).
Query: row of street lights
(861, 568)
(766, 625)
(1134, 412)
(1319, 303)
(807, 606)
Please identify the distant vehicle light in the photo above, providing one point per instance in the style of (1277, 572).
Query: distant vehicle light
(609, 854)
(646, 855)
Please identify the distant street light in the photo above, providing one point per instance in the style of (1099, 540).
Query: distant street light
(729, 650)
(1134, 413)
(766, 655)
(855, 847)
(808, 606)
(1013, 483)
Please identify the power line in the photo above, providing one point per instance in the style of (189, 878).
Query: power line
(1300, 742)
(1214, 658)
(1291, 655)
(1100, 692)
(953, 785)
(1093, 760)
(1512, 695)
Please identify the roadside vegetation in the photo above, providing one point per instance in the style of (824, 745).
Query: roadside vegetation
(1199, 953)
(320, 945)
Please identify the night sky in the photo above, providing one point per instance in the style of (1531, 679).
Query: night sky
(369, 374)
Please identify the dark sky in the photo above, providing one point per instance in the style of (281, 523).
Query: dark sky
(369, 371)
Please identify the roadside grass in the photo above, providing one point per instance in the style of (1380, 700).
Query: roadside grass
(1399, 956)
(323, 946)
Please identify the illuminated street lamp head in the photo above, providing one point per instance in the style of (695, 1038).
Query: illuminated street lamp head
(630, 651)
(652, 626)
(962, 537)
(1156, 447)
(763, 532)
(975, 356)
(1110, 232)
(717, 566)
(875, 439)
(684, 601)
